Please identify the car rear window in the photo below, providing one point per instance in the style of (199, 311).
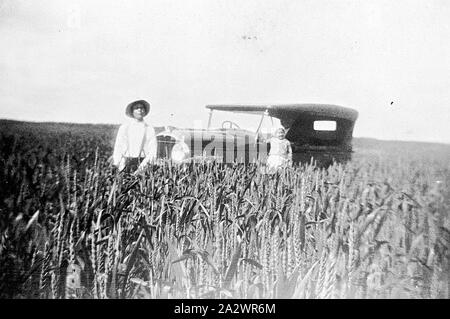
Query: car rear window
(325, 125)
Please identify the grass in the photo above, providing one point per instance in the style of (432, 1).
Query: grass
(376, 227)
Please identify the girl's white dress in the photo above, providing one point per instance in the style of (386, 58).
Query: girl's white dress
(280, 154)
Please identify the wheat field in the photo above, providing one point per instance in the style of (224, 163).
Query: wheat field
(375, 227)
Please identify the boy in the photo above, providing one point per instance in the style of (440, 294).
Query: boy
(135, 140)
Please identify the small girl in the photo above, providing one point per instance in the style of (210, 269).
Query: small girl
(280, 154)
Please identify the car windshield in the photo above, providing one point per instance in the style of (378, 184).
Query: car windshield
(246, 121)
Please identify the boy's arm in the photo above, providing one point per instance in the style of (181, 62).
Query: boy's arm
(151, 156)
(153, 143)
(119, 147)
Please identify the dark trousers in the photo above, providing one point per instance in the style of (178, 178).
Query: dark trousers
(132, 164)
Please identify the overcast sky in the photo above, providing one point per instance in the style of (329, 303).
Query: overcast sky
(83, 61)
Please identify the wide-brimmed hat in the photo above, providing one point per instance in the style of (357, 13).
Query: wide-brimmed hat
(129, 109)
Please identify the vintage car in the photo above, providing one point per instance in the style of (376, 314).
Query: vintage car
(318, 132)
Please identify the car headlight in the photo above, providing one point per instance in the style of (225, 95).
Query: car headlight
(180, 152)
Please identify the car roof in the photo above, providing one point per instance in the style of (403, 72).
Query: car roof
(283, 111)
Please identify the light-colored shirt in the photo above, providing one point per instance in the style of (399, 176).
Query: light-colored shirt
(134, 139)
(280, 147)
(280, 154)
